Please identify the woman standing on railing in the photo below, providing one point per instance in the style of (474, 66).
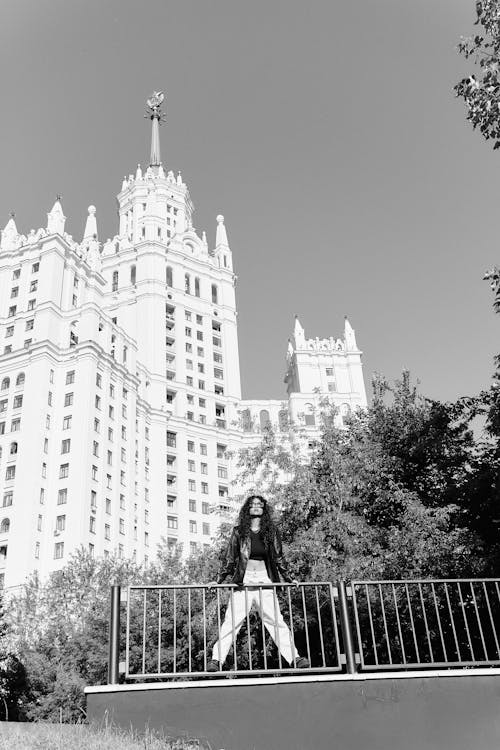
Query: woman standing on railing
(255, 558)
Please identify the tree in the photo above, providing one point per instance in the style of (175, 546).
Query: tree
(481, 91)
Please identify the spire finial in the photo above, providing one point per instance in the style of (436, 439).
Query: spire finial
(56, 218)
(90, 225)
(221, 235)
(154, 113)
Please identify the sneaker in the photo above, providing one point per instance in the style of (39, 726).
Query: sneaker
(213, 666)
(302, 663)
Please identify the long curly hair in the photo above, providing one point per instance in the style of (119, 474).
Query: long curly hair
(267, 525)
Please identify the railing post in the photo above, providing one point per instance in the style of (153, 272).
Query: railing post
(114, 637)
(345, 624)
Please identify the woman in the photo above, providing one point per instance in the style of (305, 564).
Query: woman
(254, 558)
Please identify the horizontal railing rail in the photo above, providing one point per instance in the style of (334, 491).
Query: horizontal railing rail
(412, 624)
(170, 631)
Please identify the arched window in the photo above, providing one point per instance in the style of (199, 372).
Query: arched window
(5, 384)
(215, 295)
(13, 449)
(309, 417)
(169, 276)
(197, 287)
(187, 283)
(264, 419)
(283, 419)
(114, 286)
(5, 526)
(246, 420)
(20, 379)
(132, 275)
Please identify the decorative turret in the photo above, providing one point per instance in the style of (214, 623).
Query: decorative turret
(298, 333)
(90, 226)
(56, 218)
(9, 235)
(349, 336)
(221, 235)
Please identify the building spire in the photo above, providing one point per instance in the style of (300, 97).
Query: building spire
(154, 113)
(221, 236)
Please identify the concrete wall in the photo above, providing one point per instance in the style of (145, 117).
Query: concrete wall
(426, 711)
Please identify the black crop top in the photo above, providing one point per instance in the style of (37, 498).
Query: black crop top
(257, 550)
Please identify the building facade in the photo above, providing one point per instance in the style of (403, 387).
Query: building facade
(120, 395)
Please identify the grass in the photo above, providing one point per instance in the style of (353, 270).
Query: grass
(40, 736)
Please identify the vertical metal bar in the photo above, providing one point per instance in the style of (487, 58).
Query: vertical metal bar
(431, 653)
(276, 630)
(231, 594)
(491, 619)
(114, 637)
(412, 624)
(175, 630)
(367, 594)
(264, 649)
(452, 621)
(144, 634)
(306, 623)
(358, 626)
(478, 620)
(466, 622)
(127, 640)
(403, 653)
(320, 623)
(381, 594)
(189, 630)
(247, 615)
(292, 634)
(218, 628)
(204, 605)
(335, 629)
(345, 624)
(438, 616)
(159, 631)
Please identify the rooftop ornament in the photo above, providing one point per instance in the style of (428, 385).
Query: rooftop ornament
(154, 113)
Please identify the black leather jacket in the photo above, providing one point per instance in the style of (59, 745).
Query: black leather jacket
(234, 563)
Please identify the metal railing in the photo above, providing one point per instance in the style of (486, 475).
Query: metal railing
(169, 631)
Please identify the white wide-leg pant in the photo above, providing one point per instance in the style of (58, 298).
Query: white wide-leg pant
(255, 575)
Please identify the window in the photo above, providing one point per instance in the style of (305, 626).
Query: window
(2, 428)
(37, 550)
(332, 387)
(218, 357)
(223, 491)
(31, 304)
(214, 294)
(95, 448)
(264, 419)
(192, 505)
(189, 380)
(122, 502)
(20, 379)
(60, 523)
(39, 523)
(114, 285)
(218, 373)
(133, 275)
(329, 372)
(121, 526)
(107, 531)
(70, 377)
(216, 341)
(206, 529)
(189, 347)
(172, 522)
(62, 496)
(204, 488)
(7, 349)
(14, 292)
(201, 385)
(16, 273)
(63, 471)
(188, 331)
(199, 335)
(44, 470)
(124, 432)
(9, 332)
(191, 466)
(67, 422)
(221, 450)
(187, 283)
(203, 449)
(123, 455)
(97, 425)
(124, 411)
(13, 449)
(27, 343)
(92, 549)
(200, 351)
(68, 399)
(66, 445)
(216, 326)
(98, 402)
(171, 502)
(204, 468)
(190, 416)
(110, 458)
(92, 524)
(201, 367)
(111, 412)
(35, 267)
(15, 425)
(171, 439)
(193, 548)
(120, 551)
(98, 380)
(34, 285)
(309, 418)
(7, 499)
(10, 473)
(146, 539)
(93, 499)
(108, 481)
(189, 364)
(46, 445)
(205, 508)
(196, 286)
(192, 527)
(169, 279)
(58, 550)
(222, 472)
(94, 472)
(3, 405)
(122, 478)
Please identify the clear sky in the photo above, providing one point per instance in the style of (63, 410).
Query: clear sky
(327, 134)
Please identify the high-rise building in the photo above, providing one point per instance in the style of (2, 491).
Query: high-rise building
(120, 394)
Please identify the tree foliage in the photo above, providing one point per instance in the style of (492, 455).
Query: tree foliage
(481, 91)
